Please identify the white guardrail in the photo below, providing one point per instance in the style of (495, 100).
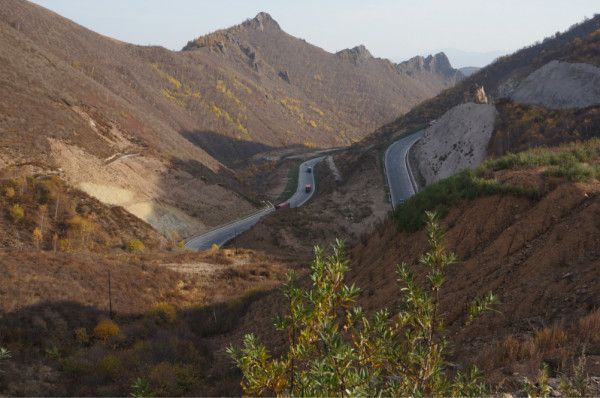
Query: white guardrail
(227, 225)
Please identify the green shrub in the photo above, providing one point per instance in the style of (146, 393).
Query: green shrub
(163, 312)
(335, 350)
(579, 172)
(445, 194)
(109, 365)
(568, 157)
(9, 192)
(16, 212)
(141, 389)
(136, 245)
(168, 379)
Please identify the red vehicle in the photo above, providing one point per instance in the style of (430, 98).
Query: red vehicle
(284, 205)
(307, 188)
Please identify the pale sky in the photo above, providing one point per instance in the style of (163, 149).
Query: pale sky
(472, 32)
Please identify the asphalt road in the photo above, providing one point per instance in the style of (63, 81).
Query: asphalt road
(301, 196)
(225, 233)
(400, 181)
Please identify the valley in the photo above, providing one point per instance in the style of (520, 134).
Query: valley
(158, 206)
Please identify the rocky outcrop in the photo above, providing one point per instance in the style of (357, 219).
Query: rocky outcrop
(560, 85)
(438, 64)
(480, 96)
(357, 54)
(458, 140)
(261, 21)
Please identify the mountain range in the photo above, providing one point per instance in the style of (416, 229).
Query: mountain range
(75, 102)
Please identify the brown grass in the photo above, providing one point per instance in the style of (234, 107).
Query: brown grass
(589, 327)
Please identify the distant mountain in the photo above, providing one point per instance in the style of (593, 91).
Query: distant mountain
(437, 64)
(468, 70)
(315, 97)
(499, 80)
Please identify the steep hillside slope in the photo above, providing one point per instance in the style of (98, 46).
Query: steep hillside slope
(540, 256)
(491, 85)
(579, 44)
(315, 97)
(103, 122)
(560, 85)
(456, 141)
(158, 132)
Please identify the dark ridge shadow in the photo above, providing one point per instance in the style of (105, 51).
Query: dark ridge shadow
(44, 333)
(225, 149)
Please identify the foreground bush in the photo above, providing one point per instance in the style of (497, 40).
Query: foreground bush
(136, 245)
(105, 329)
(17, 212)
(163, 312)
(336, 350)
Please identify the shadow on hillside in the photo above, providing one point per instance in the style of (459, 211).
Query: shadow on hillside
(189, 350)
(225, 149)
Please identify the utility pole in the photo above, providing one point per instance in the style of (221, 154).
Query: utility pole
(110, 311)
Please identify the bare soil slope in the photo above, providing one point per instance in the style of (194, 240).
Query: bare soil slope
(457, 140)
(560, 85)
(539, 257)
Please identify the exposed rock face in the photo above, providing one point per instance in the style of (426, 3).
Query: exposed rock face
(262, 20)
(480, 95)
(560, 85)
(438, 64)
(357, 54)
(457, 141)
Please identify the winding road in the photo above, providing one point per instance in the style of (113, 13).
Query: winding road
(401, 181)
(225, 233)
(300, 197)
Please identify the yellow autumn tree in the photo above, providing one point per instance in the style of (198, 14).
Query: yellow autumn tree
(37, 237)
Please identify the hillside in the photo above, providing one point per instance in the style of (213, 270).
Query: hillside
(330, 101)
(465, 138)
(579, 44)
(159, 132)
(537, 252)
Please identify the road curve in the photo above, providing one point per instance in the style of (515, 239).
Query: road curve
(399, 176)
(225, 233)
(300, 197)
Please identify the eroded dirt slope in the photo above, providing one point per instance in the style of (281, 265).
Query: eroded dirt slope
(539, 257)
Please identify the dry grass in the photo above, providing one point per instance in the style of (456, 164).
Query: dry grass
(164, 314)
(45, 213)
(589, 327)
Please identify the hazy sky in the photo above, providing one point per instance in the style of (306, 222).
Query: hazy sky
(395, 29)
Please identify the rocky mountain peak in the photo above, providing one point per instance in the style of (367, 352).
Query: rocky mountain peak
(262, 20)
(357, 54)
(438, 64)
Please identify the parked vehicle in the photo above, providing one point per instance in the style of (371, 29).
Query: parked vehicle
(307, 188)
(309, 169)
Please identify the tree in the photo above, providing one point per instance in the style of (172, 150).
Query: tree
(37, 237)
(43, 210)
(17, 212)
(82, 225)
(336, 350)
